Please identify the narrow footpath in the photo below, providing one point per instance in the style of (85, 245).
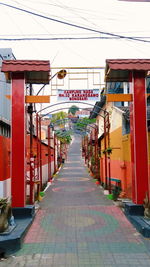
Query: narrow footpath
(77, 226)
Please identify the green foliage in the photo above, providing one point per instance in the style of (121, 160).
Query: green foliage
(3, 202)
(108, 150)
(93, 160)
(64, 136)
(73, 110)
(82, 123)
(59, 116)
(116, 192)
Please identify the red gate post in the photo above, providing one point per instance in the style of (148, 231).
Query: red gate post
(32, 159)
(105, 153)
(37, 145)
(40, 150)
(135, 71)
(21, 72)
(18, 141)
(139, 142)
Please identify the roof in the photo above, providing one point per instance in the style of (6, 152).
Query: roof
(126, 110)
(126, 113)
(98, 106)
(36, 71)
(119, 69)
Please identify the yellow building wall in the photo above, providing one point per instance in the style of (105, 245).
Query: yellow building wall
(120, 160)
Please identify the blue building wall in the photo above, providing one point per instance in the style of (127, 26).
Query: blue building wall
(5, 89)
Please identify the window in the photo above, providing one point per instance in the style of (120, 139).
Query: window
(125, 126)
(4, 129)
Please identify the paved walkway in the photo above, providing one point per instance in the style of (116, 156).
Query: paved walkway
(77, 226)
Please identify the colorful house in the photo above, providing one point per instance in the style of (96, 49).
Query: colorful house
(117, 165)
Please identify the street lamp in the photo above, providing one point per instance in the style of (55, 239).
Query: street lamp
(60, 75)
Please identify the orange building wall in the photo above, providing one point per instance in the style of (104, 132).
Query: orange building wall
(120, 160)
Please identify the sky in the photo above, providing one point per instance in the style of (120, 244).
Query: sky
(111, 16)
(101, 20)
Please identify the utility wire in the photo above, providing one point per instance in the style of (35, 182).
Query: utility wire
(75, 25)
(20, 36)
(80, 10)
(54, 38)
(60, 38)
(76, 11)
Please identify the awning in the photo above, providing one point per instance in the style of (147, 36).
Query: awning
(119, 69)
(36, 71)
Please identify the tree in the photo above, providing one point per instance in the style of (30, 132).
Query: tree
(82, 123)
(64, 136)
(59, 116)
(73, 109)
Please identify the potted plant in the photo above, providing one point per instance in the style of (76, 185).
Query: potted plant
(146, 205)
(5, 214)
(116, 192)
(107, 150)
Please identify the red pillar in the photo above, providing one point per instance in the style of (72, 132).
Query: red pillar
(54, 153)
(139, 141)
(40, 150)
(49, 154)
(18, 140)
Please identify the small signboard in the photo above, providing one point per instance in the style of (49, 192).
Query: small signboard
(78, 95)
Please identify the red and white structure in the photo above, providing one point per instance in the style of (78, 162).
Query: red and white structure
(21, 72)
(135, 71)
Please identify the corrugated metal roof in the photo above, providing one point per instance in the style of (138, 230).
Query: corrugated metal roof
(98, 106)
(119, 69)
(128, 64)
(25, 65)
(126, 113)
(37, 71)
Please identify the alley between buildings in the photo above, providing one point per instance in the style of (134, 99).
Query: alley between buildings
(76, 225)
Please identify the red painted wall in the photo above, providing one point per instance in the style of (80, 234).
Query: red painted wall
(5, 155)
(44, 151)
(4, 158)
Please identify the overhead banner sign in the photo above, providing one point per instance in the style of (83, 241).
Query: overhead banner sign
(78, 95)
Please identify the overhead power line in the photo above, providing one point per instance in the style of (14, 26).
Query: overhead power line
(54, 38)
(59, 38)
(75, 25)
